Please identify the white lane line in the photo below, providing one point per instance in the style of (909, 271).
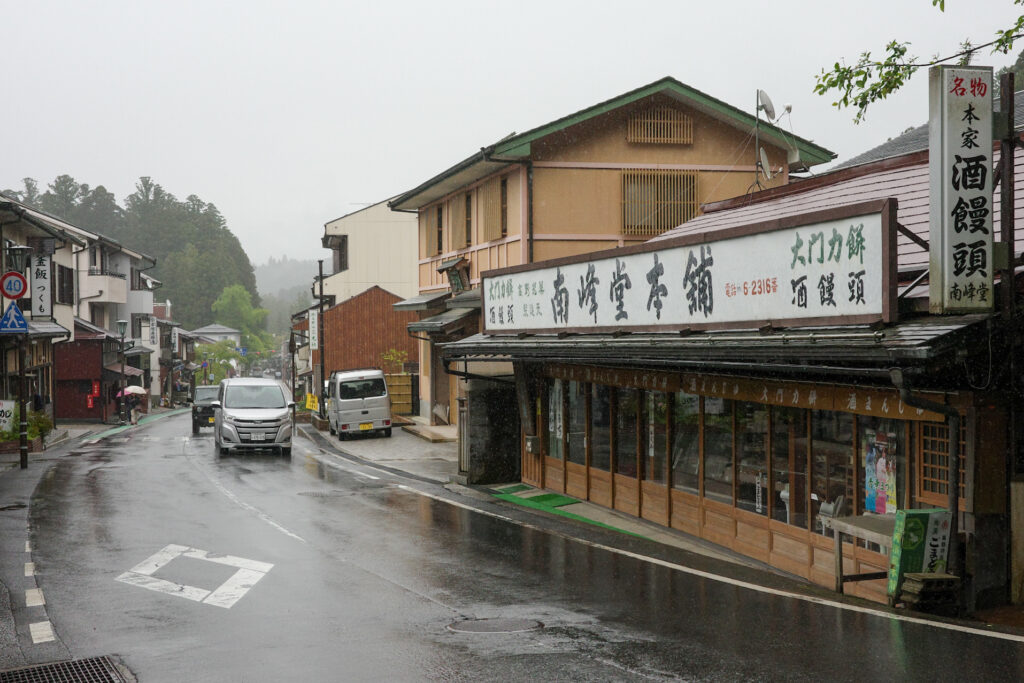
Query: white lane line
(337, 466)
(30, 569)
(34, 597)
(734, 582)
(42, 632)
(245, 506)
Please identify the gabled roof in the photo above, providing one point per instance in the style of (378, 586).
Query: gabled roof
(916, 139)
(517, 147)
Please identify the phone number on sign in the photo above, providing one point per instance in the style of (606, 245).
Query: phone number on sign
(767, 285)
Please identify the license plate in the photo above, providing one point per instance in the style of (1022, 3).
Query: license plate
(257, 436)
(366, 425)
(211, 420)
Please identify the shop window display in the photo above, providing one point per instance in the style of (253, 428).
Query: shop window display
(600, 427)
(881, 449)
(556, 423)
(627, 402)
(718, 449)
(831, 465)
(752, 455)
(686, 442)
(577, 423)
(789, 465)
(655, 441)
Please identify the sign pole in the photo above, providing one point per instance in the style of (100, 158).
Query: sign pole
(22, 403)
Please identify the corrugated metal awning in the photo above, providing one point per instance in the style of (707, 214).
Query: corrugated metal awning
(912, 342)
(423, 302)
(128, 370)
(442, 322)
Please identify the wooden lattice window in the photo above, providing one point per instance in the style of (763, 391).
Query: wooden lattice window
(656, 201)
(933, 463)
(660, 125)
(457, 217)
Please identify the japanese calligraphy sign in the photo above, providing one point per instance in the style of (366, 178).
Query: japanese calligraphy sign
(834, 266)
(314, 329)
(42, 291)
(960, 181)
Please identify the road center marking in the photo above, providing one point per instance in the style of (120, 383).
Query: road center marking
(225, 595)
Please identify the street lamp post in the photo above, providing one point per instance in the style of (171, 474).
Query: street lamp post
(122, 327)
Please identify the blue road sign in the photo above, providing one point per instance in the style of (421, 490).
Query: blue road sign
(13, 321)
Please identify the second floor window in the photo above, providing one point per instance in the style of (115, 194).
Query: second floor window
(654, 201)
(439, 228)
(341, 254)
(504, 207)
(65, 285)
(469, 219)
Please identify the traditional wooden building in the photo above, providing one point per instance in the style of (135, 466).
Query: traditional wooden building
(734, 378)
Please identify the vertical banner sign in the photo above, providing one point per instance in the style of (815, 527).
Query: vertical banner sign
(960, 182)
(42, 291)
(153, 330)
(314, 329)
(920, 544)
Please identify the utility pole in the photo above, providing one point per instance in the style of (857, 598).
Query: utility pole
(320, 342)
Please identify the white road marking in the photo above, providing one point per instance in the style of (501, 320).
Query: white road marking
(245, 506)
(34, 597)
(226, 595)
(335, 465)
(42, 632)
(30, 569)
(28, 546)
(735, 582)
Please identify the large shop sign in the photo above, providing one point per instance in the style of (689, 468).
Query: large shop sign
(960, 189)
(828, 267)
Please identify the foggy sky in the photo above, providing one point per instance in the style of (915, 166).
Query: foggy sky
(287, 115)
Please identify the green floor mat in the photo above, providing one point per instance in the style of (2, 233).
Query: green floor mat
(529, 502)
(552, 500)
(515, 488)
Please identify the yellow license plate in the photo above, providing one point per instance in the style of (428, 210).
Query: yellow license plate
(366, 425)
(211, 420)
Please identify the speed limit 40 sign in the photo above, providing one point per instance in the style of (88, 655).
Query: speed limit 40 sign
(13, 285)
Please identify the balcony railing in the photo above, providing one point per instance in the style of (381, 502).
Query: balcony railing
(95, 270)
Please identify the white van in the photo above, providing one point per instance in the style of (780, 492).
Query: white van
(358, 403)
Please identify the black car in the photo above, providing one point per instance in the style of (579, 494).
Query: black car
(202, 411)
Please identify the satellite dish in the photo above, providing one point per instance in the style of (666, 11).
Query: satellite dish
(765, 102)
(766, 170)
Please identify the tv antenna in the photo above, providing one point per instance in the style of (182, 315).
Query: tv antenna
(764, 103)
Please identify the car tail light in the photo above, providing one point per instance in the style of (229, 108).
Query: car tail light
(387, 423)
(344, 426)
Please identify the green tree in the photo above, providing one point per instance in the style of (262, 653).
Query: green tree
(221, 358)
(98, 211)
(62, 197)
(870, 80)
(28, 195)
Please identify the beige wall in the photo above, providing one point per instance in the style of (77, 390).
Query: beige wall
(382, 250)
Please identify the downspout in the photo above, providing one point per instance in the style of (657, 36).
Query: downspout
(953, 481)
(529, 196)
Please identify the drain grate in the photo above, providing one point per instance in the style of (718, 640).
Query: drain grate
(494, 625)
(91, 670)
(323, 494)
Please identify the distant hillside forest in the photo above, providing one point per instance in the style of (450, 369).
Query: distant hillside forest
(197, 255)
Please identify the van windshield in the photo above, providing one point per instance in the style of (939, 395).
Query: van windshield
(361, 388)
(266, 396)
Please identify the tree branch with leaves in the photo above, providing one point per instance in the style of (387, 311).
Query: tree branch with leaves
(870, 80)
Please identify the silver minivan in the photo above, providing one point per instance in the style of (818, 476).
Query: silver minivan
(358, 403)
(253, 413)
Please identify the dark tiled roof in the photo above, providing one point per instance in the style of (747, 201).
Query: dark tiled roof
(906, 180)
(916, 139)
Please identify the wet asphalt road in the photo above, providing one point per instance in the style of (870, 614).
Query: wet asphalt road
(323, 569)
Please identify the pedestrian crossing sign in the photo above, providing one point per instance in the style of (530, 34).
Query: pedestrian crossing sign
(13, 321)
